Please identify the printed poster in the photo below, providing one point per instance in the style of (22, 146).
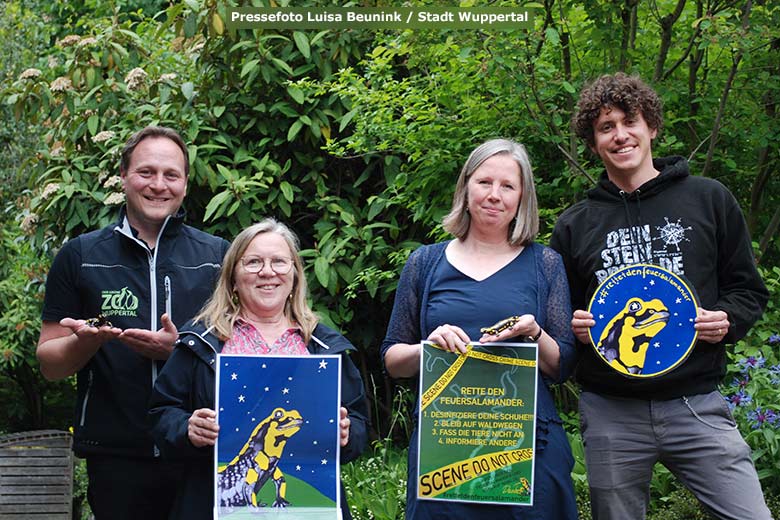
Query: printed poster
(477, 423)
(277, 454)
(644, 318)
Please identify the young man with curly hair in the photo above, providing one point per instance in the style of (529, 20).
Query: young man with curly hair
(678, 418)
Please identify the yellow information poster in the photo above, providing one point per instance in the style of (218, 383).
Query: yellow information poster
(477, 423)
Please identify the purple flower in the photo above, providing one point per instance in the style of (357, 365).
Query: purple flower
(774, 372)
(774, 339)
(751, 362)
(759, 417)
(741, 382)
(741, 398)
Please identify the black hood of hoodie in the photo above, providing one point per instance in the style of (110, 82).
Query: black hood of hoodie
(671, 169)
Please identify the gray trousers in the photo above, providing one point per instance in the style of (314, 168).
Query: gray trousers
(695, 437)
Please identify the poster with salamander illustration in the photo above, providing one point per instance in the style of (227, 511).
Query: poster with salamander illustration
(277, 454)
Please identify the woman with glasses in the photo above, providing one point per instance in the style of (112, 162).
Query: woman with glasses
(258, 307)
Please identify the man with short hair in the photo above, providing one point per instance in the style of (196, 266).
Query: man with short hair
(113, 297)
(677, 418)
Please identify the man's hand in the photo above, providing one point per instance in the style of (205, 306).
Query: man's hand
(581, 322)
(89, 333)
(154, 345)
(712, 326)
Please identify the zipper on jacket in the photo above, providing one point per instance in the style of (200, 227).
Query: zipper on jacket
(86, 399)
(168, 298)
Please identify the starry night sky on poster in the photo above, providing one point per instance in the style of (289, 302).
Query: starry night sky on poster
(251, 387)
(643, 284)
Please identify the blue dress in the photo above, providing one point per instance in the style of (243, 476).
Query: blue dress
(450, 296)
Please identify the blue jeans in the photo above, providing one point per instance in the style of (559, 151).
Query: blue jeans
(695, 437)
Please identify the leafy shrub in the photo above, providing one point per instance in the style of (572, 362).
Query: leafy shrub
(751, 387)
(375, 483)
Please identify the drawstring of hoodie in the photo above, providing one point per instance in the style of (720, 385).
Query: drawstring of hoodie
(634, 225)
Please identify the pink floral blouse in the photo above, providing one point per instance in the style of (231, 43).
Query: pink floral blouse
(247, 340)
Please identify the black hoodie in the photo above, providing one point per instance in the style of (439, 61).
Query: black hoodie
(689, 225)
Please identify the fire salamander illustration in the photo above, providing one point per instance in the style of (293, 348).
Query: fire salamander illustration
(627, 336)
(245, 475)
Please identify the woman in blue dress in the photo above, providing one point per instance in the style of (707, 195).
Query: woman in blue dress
(493, 269)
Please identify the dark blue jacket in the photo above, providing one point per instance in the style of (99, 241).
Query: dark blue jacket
(111, 272)
(188, 383)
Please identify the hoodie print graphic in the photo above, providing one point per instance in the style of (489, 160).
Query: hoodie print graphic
(659, 245)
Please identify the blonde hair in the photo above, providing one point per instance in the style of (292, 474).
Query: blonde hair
(526, 225)
(221, 310)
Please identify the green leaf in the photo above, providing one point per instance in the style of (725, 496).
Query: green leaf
(92, 124)
(294, 129)
(568, 87)
(216, 203)
(248, 67)
(302, 43)
(191, 25)
(295, 93)
(282, 65)
(322, 270)
(287, 191)
(188, 90)
(346, 118)
(376, 208)
(552, 35)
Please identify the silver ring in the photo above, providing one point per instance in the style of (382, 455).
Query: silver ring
(720, 331)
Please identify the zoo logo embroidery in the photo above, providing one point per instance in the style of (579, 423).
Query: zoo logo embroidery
(644, 320)
(119, 303)
(241, 480)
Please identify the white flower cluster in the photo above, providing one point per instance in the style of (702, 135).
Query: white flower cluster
(103, 136)
(135, 78)
(114, 180)
(86, 41)
(170, 76)
(114, 199)
(30, 73)
(29, 222)
(49, 190)
(71, 39)
(61, 84)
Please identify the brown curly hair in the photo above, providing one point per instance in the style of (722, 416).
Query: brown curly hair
(628, 93)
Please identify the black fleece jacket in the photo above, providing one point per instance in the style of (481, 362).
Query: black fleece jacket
(689, 225)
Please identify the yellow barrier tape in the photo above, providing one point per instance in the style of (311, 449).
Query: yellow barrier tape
(446, 378)
(440, 384)
(452, 475)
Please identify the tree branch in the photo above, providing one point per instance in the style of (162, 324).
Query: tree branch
(725, 95)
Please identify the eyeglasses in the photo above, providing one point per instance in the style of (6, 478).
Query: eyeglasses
(255, 264)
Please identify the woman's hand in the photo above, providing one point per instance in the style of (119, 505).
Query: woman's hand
(450, 337)
(343, 427)
(525, 326)
(202, 427)
(581, 322)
